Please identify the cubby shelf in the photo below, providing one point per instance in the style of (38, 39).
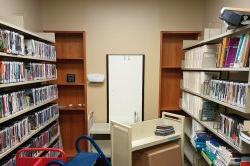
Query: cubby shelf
(170, 68)
(71, 59)
(26, 83)
(32, 133)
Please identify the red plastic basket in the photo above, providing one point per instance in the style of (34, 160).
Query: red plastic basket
(38, 161)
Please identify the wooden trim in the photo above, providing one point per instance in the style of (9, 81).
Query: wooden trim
(65, 32)
(181, 32)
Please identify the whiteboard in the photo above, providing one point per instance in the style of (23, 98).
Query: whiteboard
(125, 75)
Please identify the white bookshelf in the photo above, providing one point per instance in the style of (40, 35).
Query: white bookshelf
(242, 148)
(27, 84)
(32, 133)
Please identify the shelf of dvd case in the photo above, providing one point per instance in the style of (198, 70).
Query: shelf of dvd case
(6, 55)
(219, 37)
(209, 125)
(243, 69)
(34, 132)
(49, 144)
(23, 31)
(240, 109)
(26, 83)
(4, 119)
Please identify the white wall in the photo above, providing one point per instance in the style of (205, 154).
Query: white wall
(30, 10)
(213, 7)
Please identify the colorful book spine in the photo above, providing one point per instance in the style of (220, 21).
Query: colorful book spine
(231, 53)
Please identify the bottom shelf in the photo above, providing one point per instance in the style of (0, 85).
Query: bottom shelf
(32, 133)
(209, 125)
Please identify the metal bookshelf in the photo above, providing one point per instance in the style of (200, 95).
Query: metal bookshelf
(243, 148)
(32, 133)
(24, 58)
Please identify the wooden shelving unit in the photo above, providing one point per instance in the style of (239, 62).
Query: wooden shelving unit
(71, 59)
(170, 68)
(11, 87)
(242, 148)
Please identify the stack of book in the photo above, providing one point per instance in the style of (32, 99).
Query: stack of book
(192, 104)
(215, 151)
(194, 80)
(226, 91)
(15, 132)
(234, 52)
(13, 72)
(199, 139)
(14, 43)
(204, 56)
(226, 156)
(11, 42)
(13, 102)
(209, 111)
(163, 130)
(230, 126)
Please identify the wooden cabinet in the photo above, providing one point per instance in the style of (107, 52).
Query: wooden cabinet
(170, 68)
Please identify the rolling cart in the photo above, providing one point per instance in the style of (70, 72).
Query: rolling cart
(81, 159)
(22, 160)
